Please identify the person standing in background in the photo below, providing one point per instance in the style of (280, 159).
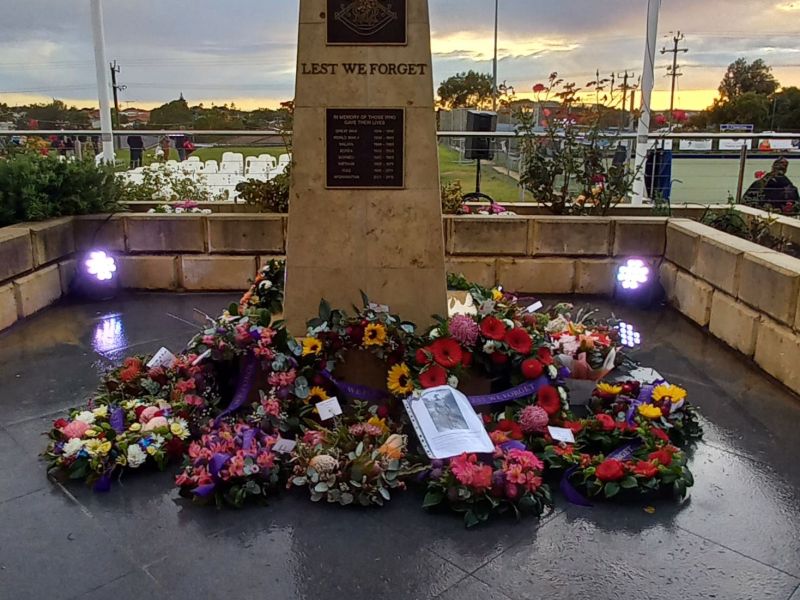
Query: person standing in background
(136, 145)
(164, 145)
(180, 140)
(78, 148)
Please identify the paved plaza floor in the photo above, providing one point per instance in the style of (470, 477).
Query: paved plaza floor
(736, 536)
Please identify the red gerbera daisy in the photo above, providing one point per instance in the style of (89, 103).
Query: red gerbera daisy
(531, 368)
(519, 340)
(547, 397)
(510, 428)
(493, 328)
(447, 352)
(433, 376)
(545, 356)
(422, 356)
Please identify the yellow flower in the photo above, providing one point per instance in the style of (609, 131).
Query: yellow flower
(316, 394)
(378, 423)
(100, 411)
(673, 392)
(104, 448)
(607, 389)
(648, 411)
(497, 295)
(311, 346)
(399, 380)
(90, 433)
(135, 426)
(177, 430)
(92, 446)
(375, 335)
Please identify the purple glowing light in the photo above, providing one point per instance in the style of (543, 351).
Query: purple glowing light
(633, 274)
(101, 265)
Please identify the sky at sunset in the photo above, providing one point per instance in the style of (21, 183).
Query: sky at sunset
(244, 50)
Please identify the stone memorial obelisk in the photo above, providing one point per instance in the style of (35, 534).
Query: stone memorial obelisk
(364, 205)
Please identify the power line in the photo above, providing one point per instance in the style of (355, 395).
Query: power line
(674, 70)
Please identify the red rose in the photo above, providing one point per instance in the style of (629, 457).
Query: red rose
(645, 469)
(545, 356)
(532, 368)
(659, 433)
(519, 340)
(663, 456)
(606, 422)
(421, 356)
(498, 358)
(610, 470)
(138, 411)
(510, 428)
(355, 332)
(158, 374)
(574, 426)
(60, 423)
(466, 358)
(493, 328)
(539, 88)
(447, 352)
(383, 411)
(547, 397)
(174, 447)
(433, 376)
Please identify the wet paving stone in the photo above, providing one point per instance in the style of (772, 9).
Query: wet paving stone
(736, 536)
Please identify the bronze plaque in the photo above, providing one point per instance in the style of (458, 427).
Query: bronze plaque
(357, 22)
(365, 147)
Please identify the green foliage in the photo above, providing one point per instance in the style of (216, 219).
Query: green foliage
(787, 109)
(270, 196)
(164, 185)
(452, 197)
(53, 115)
(174, 113)
(35, 187)
(744, 78)
(466, 90)
(756, 229)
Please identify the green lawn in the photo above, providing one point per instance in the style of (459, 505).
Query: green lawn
(123, 156)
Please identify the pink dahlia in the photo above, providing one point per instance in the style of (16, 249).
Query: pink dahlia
(464, 329)
(533, 419)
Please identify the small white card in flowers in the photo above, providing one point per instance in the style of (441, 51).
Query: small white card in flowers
(329, 408)
(561, 434)
(162, 358)
(283, 446)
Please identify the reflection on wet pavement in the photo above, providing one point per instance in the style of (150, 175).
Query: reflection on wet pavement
(736, 536)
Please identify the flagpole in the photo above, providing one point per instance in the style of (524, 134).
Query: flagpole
(101, 69)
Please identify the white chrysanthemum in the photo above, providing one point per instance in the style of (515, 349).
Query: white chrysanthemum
(136, 456)
(86, 416)
(72, 447)
(157, 440)
(552, 372)
(265, 285)
(452, 381)
(489, 347)
(435, 334)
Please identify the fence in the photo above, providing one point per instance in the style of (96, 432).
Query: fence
(706, 167)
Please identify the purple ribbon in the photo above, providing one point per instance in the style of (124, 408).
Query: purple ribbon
(354, 390)
(645, 394)
(246, 382)
(117, 420)
(103, 484)
(625, 452)
(215, 465)
(526, 389)
(572, 495)
(247, 439)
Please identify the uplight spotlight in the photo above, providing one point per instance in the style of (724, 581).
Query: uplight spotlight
(633, 274)
(635, 283)
(628, 336)
(97, 276)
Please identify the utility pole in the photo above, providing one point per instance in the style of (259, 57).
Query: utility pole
(673, 71)
(116, 88)
(625, 88)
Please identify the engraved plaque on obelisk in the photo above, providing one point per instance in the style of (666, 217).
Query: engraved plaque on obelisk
(364, 208)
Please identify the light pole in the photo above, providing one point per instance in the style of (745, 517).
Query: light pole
(648, 77)
(494, 62)
(102, 81)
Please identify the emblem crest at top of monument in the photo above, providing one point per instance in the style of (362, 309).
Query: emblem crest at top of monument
(366, 22)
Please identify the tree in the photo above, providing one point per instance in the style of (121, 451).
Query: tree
(743, 77)
(172, 114)
(786, 110)
(466, 90)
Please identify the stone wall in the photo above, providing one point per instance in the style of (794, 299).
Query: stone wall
(745, 294)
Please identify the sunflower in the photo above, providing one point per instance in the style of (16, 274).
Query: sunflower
(607, 389)
(648, 411)
(673, 392)
(311, 346)
(316, 394)
(399, 380)
(374, 335)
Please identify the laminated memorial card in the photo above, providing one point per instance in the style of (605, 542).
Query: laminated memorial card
(446, 423)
